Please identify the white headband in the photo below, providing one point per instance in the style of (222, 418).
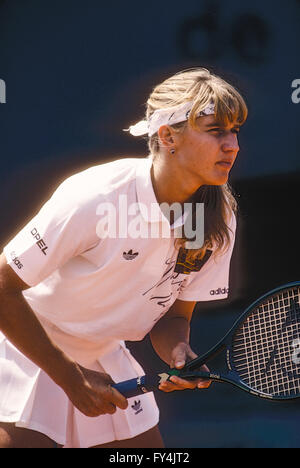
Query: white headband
(169, 116)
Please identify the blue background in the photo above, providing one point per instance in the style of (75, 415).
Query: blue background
(77, 73)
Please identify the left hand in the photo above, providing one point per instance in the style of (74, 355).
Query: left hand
(181, 354)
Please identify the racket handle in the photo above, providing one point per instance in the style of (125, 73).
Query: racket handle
(139, 385)
(150, 382)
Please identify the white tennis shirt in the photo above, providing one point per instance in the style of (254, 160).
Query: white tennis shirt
(102, 290)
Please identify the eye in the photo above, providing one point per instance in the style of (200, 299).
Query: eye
(218, 130)
(221, 131)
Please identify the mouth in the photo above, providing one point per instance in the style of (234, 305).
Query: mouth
(225, 163)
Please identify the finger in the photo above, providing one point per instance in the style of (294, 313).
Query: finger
(204, 383)
(92, 410)
(100, 410)
(182, 354)
(109, 408)
(176, 383)
(171, 387)
(168, 387)
(183, 383)
(178, 356)
(116, 398)
(179, 359)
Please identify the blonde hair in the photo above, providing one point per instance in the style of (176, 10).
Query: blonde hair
(202, 87)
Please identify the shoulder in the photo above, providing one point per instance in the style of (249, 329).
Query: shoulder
(98, 182)
(107, 174)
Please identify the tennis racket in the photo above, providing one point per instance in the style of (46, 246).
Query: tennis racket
(261, 351)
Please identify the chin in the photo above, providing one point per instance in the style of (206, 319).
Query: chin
(218, 180)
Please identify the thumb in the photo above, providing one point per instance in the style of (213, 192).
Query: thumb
(179, 358)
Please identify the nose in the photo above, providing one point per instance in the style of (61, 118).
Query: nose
(230, 143)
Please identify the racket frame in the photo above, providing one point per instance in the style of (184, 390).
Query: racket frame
(226, 343)
(150, 382)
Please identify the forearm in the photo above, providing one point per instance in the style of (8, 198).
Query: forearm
(167, 334)
(22, 328)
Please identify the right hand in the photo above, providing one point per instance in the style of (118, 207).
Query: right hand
(93, 394)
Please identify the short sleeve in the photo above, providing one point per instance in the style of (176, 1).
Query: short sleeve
(212, 281)
(63, 228)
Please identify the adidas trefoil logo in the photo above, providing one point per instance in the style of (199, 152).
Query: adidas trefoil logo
(130, 255)
(137, 407)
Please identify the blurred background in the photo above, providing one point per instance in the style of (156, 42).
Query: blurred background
(77, 73)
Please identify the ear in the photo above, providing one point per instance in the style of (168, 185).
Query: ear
(166, 137)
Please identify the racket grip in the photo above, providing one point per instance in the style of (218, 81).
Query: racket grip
(138, 386)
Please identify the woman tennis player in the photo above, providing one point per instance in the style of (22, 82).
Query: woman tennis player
(73, 290)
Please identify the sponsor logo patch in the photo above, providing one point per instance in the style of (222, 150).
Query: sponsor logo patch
(16, 260)
(40, 242)
(186, 266)
(216, 292)
(130, 255)
(137, 407)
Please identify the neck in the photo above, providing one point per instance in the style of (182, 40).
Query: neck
(170, 184)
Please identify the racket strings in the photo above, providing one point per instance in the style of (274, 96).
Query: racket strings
(265, 347)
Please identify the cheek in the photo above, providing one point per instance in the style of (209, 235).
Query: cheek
(203, 141)
(199, 149)
(205, 150)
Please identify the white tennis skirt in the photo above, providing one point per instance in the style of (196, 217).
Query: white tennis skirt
(30, 399)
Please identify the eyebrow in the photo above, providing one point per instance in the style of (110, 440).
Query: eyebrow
(216, 124)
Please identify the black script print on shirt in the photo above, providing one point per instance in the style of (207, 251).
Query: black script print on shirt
(168, 276)
(174, 270)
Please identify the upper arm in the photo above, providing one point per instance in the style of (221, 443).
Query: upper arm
(64, 227)
(181, 309)
(9, 280)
